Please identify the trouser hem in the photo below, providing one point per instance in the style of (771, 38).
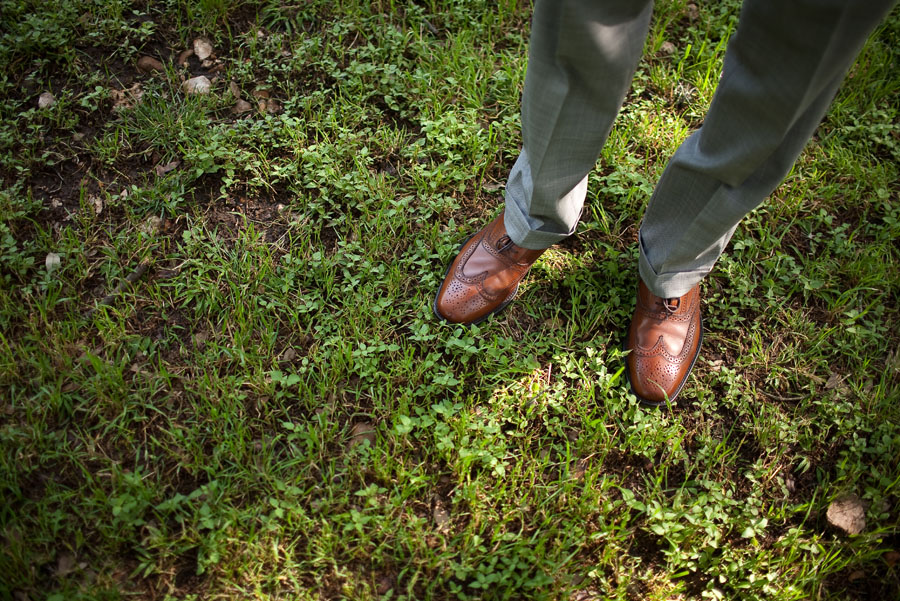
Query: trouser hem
(670, 284)
(522, 235)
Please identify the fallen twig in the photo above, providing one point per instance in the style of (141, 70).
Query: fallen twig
(131, 278)
(785, 399)
(431, 28)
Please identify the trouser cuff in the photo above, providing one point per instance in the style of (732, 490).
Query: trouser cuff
(670, 284)
(521, 233)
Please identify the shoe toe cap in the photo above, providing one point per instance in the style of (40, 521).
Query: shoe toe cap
(654, 379)
(459, 303)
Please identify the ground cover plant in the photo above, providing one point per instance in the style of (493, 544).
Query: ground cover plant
(220, 372)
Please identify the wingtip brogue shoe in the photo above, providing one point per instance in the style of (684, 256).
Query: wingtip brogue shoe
(664, 341)
(484, 277)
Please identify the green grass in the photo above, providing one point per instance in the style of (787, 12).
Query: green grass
(272, 411)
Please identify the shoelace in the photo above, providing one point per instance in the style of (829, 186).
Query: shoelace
(504, 242)
(671, 304)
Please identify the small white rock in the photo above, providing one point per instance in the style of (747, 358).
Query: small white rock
(847, 513)
(202, 49)
(46, 100)
(197, 85)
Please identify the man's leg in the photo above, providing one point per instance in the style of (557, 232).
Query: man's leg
(582, 57)
(782, 69)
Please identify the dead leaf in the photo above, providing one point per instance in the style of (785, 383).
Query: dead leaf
(261, 93)
(553, 323)
(361, 432)
(273, 106)
(183, 57)
(790, 484)
(385, 584)
(151, 225)
(234, 89)
(261, 106)
(847, 513)
(667, 48)
(52, 261)
(692, 12)
(65, 564)
(241, 107)
(197, 85)
(97, 204)
(441, 515)
(891, 558)
(202, 49)
(200, 339)
(856, 575)
(148, 64)
(892, 361)
(833, 381)
(126, 99)
(163, 169)
(579, 468)
(46, 100)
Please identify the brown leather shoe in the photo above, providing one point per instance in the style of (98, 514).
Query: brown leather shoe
(664, 339)
(484, 277)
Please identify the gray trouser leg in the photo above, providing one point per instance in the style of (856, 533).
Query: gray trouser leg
(581, 60)
(782, 69)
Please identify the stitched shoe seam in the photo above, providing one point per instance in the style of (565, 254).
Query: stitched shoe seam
(458, 272)
(645, 352)
(477, 282)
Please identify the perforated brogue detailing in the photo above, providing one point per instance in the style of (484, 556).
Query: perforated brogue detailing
(664, 339)
(484, 277)
(460, 296)
(658, 376)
